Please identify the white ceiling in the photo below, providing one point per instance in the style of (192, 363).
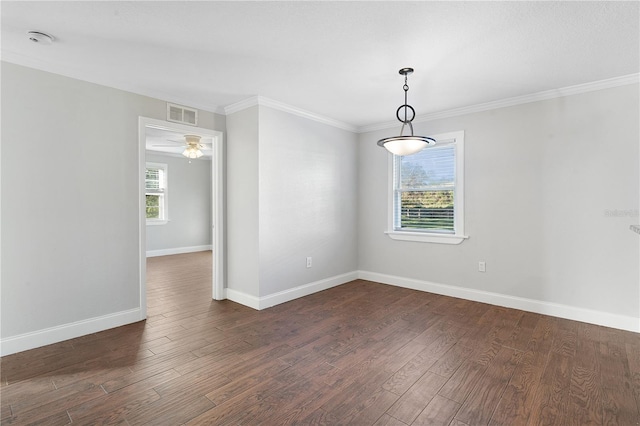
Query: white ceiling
(336, 59)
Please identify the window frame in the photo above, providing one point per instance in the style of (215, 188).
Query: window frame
(457, 140)
(165, 193)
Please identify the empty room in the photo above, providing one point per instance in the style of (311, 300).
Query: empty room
(320, 212)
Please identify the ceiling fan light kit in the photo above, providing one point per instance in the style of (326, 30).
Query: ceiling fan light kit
(409, 144)
(192, 150)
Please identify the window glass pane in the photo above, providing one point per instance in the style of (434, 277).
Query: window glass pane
(429, 210)
(156, 191)
(424, 187)
(153, 207)
(428, 168)
(153, 179)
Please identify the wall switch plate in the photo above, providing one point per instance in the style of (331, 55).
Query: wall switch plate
(309, 262)
(482, 267)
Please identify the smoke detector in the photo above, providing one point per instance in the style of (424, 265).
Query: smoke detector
(40, 37)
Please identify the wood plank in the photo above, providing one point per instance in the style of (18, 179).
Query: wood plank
(387, 420)
(416, 398)
(515, 404)
(440, 411)
(52, 404)
(616, 381)
(479, 407)
(521, 334)
(585, 395)
(304, 404)
(58, 419)
(360, 397)
(449, 362)
(549, 406)
(406, 376)
(466, 377)
(633, 357)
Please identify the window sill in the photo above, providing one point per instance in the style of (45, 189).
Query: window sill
(426, 238)
(157, 222)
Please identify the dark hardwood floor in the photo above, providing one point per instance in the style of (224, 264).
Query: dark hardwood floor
(358, 354)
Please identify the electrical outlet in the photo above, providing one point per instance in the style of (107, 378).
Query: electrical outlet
(482, 267)
(309, 262)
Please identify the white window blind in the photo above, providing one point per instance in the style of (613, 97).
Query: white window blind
(424, 190)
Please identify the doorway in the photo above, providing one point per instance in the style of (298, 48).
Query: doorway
(149, 127)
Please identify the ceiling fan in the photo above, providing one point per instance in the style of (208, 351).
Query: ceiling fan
(192, 146)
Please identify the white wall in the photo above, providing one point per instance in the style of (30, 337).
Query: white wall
(70, 188)
(292, 193)
(242, 202)
(189, 196)
(308, 201)
(540, 180)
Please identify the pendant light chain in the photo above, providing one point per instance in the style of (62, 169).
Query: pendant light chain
(406, 91)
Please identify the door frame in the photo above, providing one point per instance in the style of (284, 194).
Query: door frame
(217, 201)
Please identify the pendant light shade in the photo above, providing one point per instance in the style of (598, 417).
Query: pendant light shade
(409, 144)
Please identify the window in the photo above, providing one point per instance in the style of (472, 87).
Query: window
(426, 193)
(155, 183)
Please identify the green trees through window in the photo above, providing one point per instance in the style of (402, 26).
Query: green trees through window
(153, 206)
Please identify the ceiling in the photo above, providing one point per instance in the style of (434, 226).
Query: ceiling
(336, 59)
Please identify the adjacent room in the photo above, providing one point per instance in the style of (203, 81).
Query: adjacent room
(363, 213)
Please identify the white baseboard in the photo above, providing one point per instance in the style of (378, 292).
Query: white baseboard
(178, 250)
(306, 289)
(242, 298)
(606, 319)
(47, 336)
(290, 294)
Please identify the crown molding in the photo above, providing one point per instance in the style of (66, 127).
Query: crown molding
(518, 100)
(243, 104)
(281, 106)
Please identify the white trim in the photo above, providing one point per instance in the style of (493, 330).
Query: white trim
(451, 138)
(241, 105)
(218, 197)
(306, 289)
(575, 313)
(290, 294)
(243, 298)
(262, 101)
(178, 250)
(218, 208)
(426, 238)
(142, 216)
(154, 222)
(517, 100)
(47, 336)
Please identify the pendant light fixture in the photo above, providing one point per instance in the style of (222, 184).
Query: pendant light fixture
(409, 144)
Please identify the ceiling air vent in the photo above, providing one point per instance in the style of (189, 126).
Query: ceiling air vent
(182, 114)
